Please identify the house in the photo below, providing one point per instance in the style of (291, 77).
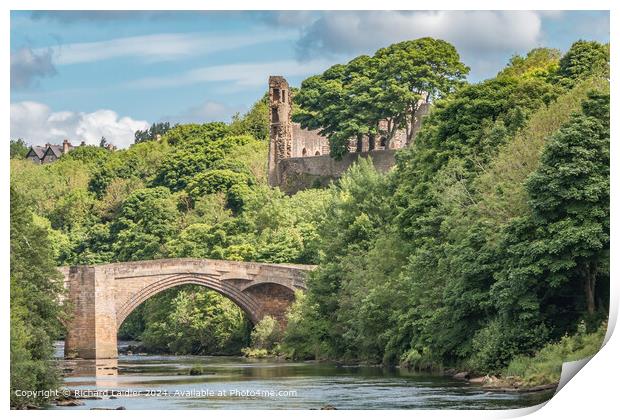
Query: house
(50, 152)
(35, 154)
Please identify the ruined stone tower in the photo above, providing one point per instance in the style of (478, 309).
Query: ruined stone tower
(281, 131)
(300, 158)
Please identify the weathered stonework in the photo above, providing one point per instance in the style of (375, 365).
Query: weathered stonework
(296, 174)
(102, 296)
(280, 146)
(299, 158)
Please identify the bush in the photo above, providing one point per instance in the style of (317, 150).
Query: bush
(497, 344)
(254, 353)
(413, 359)
(546, 366)
(266, 334)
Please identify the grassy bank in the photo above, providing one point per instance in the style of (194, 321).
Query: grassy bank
(545, 366)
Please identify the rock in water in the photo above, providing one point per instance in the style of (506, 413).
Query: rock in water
(462, 376)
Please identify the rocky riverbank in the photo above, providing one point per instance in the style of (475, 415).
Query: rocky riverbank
(498, 384)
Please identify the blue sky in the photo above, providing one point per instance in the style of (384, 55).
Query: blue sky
(81, 75)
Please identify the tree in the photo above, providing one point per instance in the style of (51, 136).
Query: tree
(349, 101)
(255, 122)
(569, 197)
(103, 143)
(414, 72)
(553, 257)
(539, 62)
(582, 60)
(36, 313)
(213, 181)
(195, 133)
(323, 107)
(152, 133)
(193, 320)
(266, 333)
(147, 219)
(19, 149)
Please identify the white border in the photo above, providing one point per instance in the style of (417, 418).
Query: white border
(591, 394)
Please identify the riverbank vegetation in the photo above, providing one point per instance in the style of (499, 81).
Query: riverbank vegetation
(545, 366)
(36, 313)
(489, 240)
(485, 246)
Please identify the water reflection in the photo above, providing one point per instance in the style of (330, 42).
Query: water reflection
(217, 382)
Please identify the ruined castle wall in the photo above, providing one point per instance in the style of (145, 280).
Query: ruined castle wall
(299, 158)
(308, 142)
(296, 174)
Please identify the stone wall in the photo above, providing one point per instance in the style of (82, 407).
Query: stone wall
(299, 158)
(296, 174)
(308, 142)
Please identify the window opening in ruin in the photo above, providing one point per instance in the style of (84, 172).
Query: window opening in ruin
(304, 152)
(276, 94)
(274, 115)
(317, 153)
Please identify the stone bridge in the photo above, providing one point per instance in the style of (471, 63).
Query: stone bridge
(102, 296)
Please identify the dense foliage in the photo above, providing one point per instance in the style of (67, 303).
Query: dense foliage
(348, 101)
(18, 148)
(200, 191)
(152, 133)
(193, 320)
(36, 315)
(490, 238)
(486, 243)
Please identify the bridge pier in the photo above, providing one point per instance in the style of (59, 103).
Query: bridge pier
(92, 330)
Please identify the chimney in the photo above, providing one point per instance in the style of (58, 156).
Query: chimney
(47, 145)
(65, 146)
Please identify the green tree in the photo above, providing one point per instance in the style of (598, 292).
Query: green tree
(255, 122)
(147, 219)
(565, 240)
(412, 72)
(583, 59)
(151, 133)
(193, 320)
(36, 313)
(213, 181)
(18, 149)
(348, 101)
(266, 334)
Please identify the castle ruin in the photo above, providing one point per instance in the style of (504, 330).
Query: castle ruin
(299, 158)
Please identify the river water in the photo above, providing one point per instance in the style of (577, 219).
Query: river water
(164, 382)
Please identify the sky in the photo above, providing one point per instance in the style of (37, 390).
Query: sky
(82, 75)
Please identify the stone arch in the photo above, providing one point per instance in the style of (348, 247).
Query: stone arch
(304, 152)
(317, 153)
(245, 301)
(102, 296)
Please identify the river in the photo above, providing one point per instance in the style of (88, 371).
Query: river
(222, 382)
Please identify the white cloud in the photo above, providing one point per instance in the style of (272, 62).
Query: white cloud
(242, 75)
(206, 112)
(158, 47)
(353, 32)
(37, 124)
(485, 39)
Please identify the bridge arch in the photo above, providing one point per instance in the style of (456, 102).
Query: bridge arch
(102, 296)
(246, 302)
